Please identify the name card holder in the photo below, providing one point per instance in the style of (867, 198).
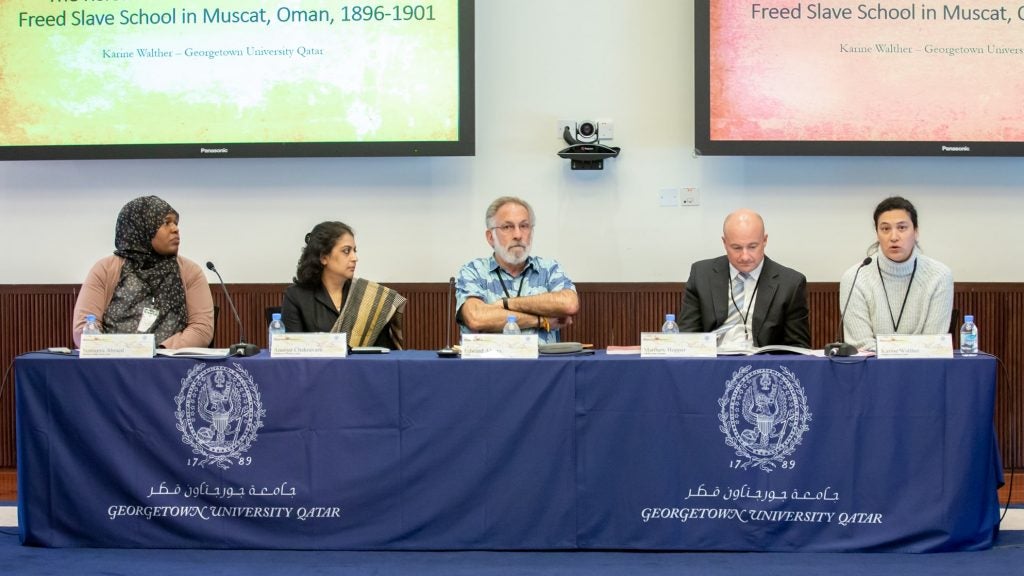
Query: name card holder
(914, 346)
(117, 346)
(499, 346)
(309, 345)
(684, 345)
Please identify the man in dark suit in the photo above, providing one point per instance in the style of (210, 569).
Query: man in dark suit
(744, 296)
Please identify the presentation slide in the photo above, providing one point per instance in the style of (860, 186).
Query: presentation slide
(866, 71)
(88, 72)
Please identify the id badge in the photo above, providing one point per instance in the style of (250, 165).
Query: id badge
(149, 316)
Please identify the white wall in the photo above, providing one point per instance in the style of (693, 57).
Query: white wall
(538, 62)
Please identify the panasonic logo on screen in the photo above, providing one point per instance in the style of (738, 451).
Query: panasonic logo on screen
(956, 148)
(213, 150)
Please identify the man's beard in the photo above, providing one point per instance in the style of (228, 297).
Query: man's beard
(507, 256)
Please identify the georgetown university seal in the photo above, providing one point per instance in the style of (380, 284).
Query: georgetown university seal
(219, 412)
(764, 416)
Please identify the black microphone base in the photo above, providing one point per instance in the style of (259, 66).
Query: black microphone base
(447, 353)
(243, 349)
(840, 349)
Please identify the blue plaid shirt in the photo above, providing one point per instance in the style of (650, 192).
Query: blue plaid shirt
(480, 279)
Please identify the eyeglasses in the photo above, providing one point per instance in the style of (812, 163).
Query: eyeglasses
(509, 227)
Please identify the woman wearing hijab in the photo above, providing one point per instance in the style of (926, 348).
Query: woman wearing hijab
(327, 297)
(145, 287)
(900, 291)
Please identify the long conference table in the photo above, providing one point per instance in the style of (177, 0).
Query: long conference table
(407, 451)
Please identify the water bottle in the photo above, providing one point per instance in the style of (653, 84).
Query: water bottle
(276, 327)
(90, 325)
(511, 327)
(969, 337)
(670, 326)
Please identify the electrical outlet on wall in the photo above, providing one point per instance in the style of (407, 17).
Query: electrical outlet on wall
(689, 196)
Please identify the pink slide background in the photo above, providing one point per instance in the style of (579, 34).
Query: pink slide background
(790, 80)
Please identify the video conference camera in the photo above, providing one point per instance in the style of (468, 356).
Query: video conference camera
(586, 132)
(585, 152)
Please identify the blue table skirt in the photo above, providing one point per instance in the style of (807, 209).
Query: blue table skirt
(409, 451)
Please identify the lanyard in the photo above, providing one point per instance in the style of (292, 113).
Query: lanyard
(522, 279)
(896, 322)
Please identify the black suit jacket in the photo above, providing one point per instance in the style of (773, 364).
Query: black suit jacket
(780, 305)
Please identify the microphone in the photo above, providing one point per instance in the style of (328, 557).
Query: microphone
(448, 351)
(841, 348)
(240, 349)
(568, 137)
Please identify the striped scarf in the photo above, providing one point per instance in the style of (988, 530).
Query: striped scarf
(368, 309)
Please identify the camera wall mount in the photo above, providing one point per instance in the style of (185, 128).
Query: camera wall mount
(585, 152)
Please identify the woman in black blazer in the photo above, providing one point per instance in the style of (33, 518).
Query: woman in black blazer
(327, 297)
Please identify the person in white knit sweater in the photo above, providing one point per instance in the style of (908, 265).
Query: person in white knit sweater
(900, 291)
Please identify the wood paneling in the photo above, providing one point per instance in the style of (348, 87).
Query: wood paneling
(38, 316)
(8, 485)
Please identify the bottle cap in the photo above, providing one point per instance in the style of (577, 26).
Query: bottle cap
(90, 317)
(276, 316)
(670, 317)
(511, 318)
(969, 318)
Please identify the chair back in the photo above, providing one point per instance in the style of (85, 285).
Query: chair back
(270, 311)
(216, 314)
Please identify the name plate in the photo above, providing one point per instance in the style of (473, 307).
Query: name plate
(914, 346)
(309, 345)
(499, 346)
(117, 346)
(684, 345)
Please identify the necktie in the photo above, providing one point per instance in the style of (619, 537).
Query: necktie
(736, 305)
